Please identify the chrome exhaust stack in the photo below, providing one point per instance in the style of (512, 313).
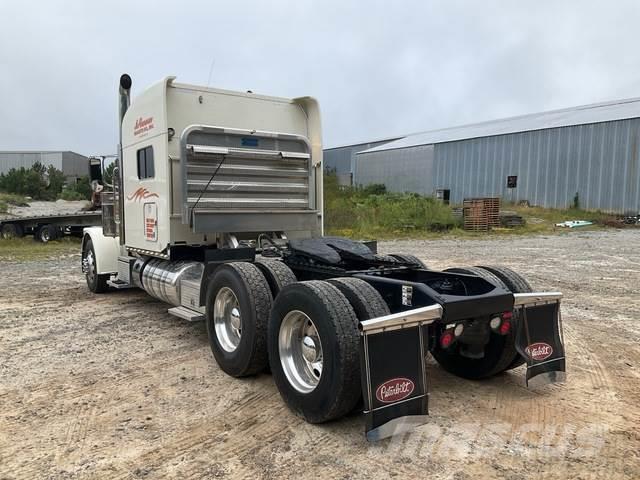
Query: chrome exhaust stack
(125, 99)
(123, 106)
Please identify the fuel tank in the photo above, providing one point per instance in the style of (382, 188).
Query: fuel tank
(163, 279)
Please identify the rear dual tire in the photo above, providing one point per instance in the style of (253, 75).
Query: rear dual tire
(331, 310)
(408, 258)
(314, 356)
(402, 258)
(277, 274)
(309, 336)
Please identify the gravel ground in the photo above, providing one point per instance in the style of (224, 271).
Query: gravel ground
(111, 386)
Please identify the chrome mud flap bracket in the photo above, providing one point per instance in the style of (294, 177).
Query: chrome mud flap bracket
(394, 375)
(539, 337)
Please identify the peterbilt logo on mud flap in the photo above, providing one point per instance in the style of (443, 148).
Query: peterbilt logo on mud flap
(539, 351)
(394, 390)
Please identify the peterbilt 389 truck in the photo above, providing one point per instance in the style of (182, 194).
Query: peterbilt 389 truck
(216, 209)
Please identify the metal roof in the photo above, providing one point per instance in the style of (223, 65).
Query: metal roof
(594, 113)
(356, 144)
(37, 151)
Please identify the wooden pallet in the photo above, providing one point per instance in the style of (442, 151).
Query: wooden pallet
(481, 214)
(511, 219)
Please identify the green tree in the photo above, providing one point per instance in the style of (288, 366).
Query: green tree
(81, 190)
(107, 177)
(38, 182)
(55, 180)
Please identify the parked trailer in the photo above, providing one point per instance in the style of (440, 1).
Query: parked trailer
(44, 228)
(216, 209)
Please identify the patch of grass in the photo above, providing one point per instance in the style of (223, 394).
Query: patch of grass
(3, 206)
(7, 199)
(374, 213)
(27, 249)
(543, 220)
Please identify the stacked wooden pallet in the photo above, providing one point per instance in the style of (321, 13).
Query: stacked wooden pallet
(481, 214)
(511, 219)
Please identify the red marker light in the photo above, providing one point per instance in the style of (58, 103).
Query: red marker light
(505, 327)
(446, 339)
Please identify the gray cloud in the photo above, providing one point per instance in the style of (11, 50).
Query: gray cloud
(378, 68)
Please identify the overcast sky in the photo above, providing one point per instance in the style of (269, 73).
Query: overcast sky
(378, 68)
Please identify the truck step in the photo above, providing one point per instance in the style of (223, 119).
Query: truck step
(119, 284)
(186, 314)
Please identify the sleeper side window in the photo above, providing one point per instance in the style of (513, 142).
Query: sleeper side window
(145, 163)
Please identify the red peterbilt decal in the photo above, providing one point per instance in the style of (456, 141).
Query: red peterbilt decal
(539, 351)
(141, 194)
(394, 390)
(143, 125)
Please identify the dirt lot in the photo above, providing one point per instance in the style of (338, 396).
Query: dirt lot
(111, 386)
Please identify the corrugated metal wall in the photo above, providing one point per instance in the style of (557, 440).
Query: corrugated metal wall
(75, 165)
(72, 164)
(598, 161)
(9, 160)
(402, 170)
(342, 159)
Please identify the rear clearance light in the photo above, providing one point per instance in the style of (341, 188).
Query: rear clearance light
(502, 324)
(505, 327)
(446, 339)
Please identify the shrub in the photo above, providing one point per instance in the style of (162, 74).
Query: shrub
(38, 182)
(369, 211)
(81, 190)
(375, 189)
(67, 194)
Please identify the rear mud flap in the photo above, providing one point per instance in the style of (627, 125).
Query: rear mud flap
(539, 337)
(394, 375)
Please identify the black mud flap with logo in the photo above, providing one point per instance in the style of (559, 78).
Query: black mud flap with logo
(539, 337)
(394, 375)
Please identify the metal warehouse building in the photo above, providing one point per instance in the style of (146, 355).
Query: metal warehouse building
(72, 164)
(341, 160)
(545, 159)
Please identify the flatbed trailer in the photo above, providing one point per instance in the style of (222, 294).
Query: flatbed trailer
(44, 228)
(216, 210)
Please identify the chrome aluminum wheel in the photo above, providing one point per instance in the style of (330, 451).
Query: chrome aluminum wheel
(300, 351)
(89, 266)
(227, 319)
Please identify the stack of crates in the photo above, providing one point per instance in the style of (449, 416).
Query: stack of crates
(481, 214)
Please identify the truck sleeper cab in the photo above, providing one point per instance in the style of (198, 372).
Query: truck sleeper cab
(216, 209)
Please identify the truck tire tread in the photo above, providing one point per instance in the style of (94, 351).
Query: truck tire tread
(365, 300)
(277, 274)
(257, 300)
(408, 258)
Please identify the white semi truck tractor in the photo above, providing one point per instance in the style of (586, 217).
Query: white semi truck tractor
(216, 209)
